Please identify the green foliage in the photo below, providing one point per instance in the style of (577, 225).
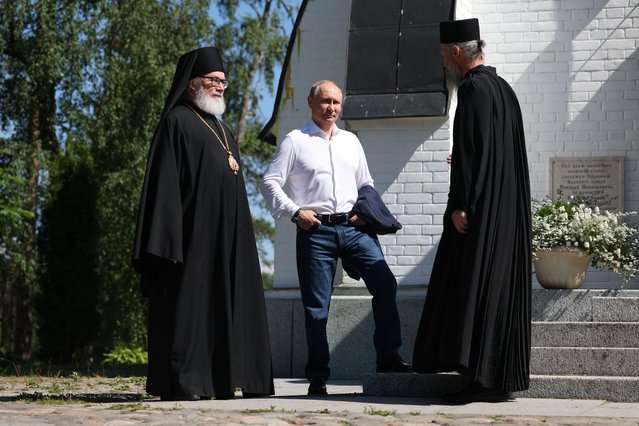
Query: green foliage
(11, 185)
(254, 44)
(82, 87)
(126, 356)
(45, 55)
(143, 39)
(17, 269)
(68, 293)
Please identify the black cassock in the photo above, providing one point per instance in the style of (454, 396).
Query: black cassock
(476, 317)
(208, 332)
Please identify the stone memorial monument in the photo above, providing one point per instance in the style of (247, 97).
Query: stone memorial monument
(598, 179)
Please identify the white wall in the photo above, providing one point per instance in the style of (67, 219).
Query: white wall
(320, 53)
(574, 66)
(572, 63)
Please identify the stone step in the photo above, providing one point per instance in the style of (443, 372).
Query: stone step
(615, 389)
(618, 389)
(571, 305)
(615, 309)
(419, 385)
(585, 361)
(585, 334)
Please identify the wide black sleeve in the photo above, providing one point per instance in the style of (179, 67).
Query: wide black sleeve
(474, 121)
(159, 226)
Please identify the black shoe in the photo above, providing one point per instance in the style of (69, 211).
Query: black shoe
(393, 365)
(317, 387)
(475, 392)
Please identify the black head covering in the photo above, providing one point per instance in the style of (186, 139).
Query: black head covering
(459, 31)
(192, 64)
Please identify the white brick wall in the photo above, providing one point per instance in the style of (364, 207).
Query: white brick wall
(574, 65)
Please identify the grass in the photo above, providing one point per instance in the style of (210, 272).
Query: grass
(56, 401)
(248, 411)
(444, 415)
(54, 388)
(136, 406)
(271, 409)
(32, 382)
(322, 411)
(72, 388)
(38, 398)
(372, 411)
(496, 417)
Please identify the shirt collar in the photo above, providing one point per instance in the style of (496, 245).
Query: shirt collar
(313, 129)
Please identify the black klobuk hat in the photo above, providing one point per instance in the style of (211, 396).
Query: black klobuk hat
(459, 31)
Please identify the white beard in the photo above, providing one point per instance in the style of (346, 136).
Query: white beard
(213, 105)
(453, 78)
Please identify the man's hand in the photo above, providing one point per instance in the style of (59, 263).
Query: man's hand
(357, 221)
(460, 220)
(307, 220)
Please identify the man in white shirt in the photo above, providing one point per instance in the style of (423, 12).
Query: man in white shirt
(323, 167)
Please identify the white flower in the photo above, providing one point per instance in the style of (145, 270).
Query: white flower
(613, 242)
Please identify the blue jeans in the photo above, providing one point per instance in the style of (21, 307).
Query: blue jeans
(318, 250)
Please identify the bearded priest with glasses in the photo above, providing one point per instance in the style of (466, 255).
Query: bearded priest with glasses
(195, 248)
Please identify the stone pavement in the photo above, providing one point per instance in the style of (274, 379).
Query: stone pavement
(80, 400)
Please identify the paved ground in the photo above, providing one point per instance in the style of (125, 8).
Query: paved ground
(81, 400)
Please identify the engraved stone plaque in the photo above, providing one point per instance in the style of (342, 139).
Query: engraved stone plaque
(599, 179)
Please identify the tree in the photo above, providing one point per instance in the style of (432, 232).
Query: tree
(141, 41)
(43, 57)
(82, 85)
(253, 39)
(14, 221)
(67, 299)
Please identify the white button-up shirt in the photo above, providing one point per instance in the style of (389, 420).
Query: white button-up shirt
(311, 171)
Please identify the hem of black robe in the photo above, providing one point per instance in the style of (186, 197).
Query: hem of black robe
(434, 368)
(471, 376)
(166, 390)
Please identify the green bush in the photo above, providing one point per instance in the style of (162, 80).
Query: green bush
(126, 356)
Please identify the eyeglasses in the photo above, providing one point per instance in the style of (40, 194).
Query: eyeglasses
(214, 81)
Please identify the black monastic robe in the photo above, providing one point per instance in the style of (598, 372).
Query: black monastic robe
(476, 317)
(208, 332)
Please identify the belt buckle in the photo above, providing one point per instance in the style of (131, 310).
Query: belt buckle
(336, 218)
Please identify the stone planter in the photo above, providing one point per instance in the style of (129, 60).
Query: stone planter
(562, 267)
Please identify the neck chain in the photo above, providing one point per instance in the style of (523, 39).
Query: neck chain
(225, 145)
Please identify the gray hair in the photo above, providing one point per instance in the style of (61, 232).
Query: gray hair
(317, 84)
(471, 50)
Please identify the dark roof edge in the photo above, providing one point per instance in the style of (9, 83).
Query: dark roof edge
(265, 134)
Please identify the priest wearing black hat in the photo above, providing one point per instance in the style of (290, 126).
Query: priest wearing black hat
(476, 317)
(195, 248)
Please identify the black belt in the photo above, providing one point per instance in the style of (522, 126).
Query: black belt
(332, 219)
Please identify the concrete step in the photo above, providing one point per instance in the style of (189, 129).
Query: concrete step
(419, 385)
(585, 334)
(618, 389)
(615, 309)
(571, 305)
(585, 361)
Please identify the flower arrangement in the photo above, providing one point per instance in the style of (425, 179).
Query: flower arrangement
(573, 224)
